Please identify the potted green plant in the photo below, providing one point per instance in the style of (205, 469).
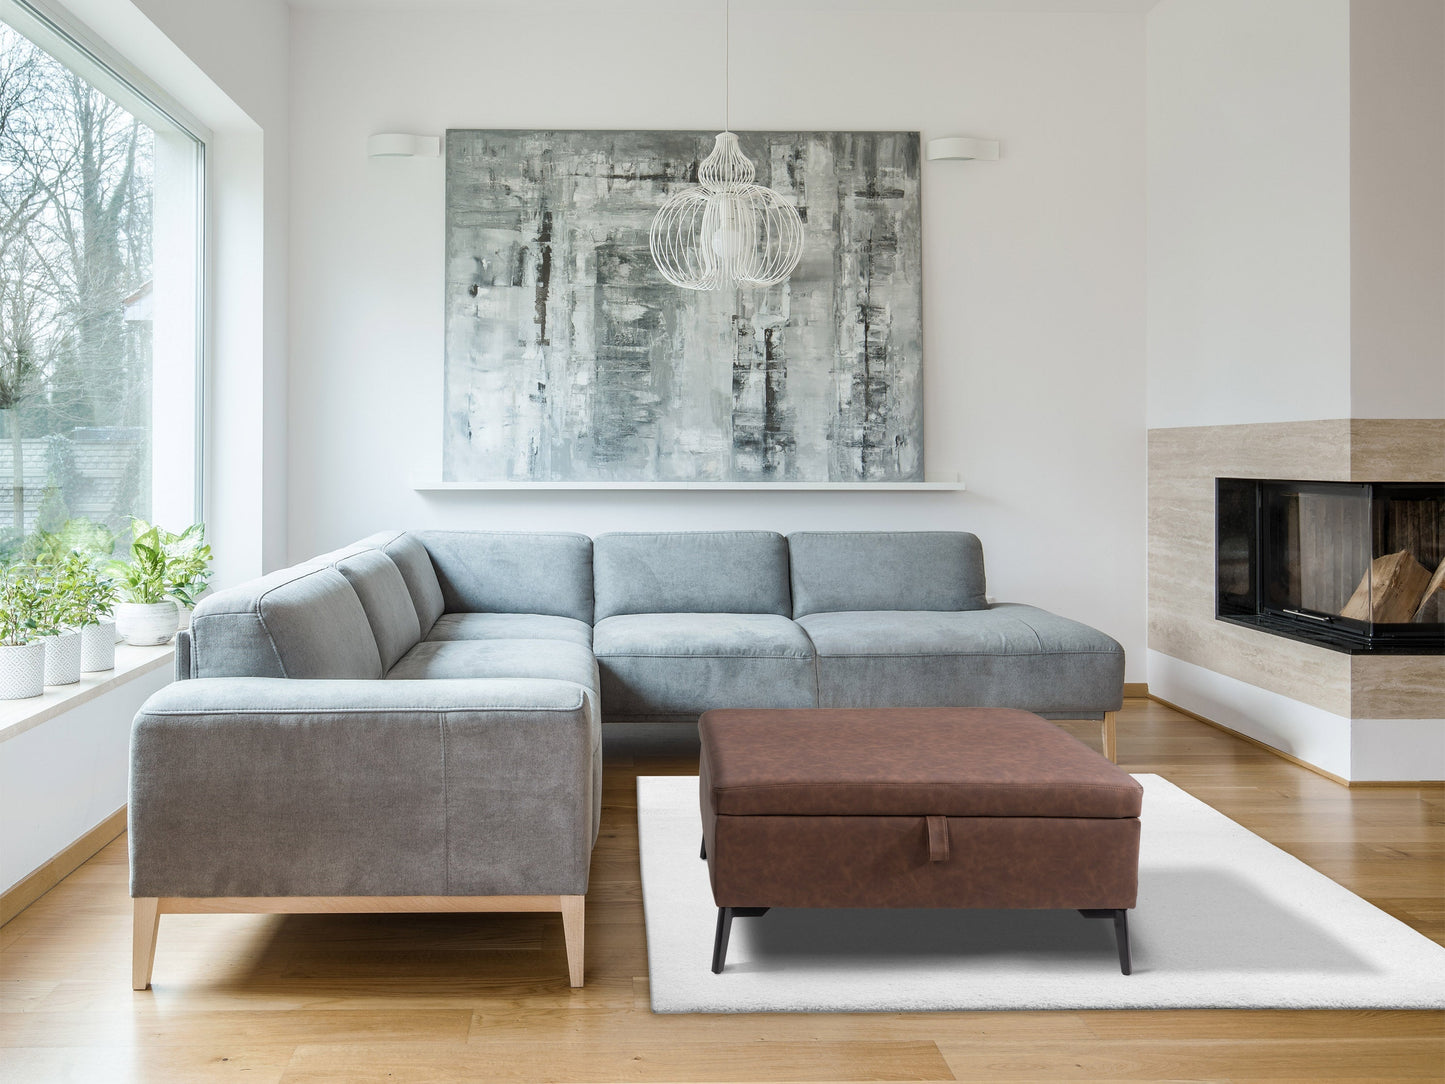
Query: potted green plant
(146, 616)
(22, 623)
(61, 580)
(92, 601)
(188, 566)
(164, 570)
(95, 543)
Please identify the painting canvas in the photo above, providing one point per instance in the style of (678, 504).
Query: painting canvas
(570, 358)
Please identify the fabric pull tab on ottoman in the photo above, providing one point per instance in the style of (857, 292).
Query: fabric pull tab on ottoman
(938, 839)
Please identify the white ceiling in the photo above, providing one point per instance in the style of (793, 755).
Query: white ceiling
(745, 5)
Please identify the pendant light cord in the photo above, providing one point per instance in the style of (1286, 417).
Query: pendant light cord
(727, 65)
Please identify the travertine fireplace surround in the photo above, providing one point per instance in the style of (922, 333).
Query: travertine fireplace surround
(1358, 718)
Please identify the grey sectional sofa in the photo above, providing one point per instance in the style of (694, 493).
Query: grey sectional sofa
(413, 722)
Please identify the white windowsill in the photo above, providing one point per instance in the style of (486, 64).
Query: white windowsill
(18, 716)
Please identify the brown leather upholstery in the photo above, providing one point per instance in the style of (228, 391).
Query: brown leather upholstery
(927, 807)
(1023, 862)
(956, 762)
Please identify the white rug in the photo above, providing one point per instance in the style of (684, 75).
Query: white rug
(1224, 920)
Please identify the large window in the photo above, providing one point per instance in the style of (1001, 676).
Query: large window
(99, 287)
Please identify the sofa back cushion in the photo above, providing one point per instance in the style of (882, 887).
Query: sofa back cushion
(836, 571)
(737, 572)
(512, 572)
(387, 603)
(414, 564)
(301, 622)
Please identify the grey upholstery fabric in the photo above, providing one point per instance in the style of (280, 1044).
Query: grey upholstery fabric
(302, 622)
(521, 572)
(682, 664)
(1006, 656)
(511, 627)
(741, 572)
(260, 787)
(414, 564)
(497, 659)
(387, 602)
(836, 571)
(182, 669)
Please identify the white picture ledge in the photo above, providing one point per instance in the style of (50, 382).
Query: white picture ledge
(433, 485)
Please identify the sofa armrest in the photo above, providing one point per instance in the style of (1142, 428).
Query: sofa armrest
(305, 787)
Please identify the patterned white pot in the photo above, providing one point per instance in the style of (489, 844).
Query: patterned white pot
(97, 646)
(146, 624)
(62, 657)
(22, 670)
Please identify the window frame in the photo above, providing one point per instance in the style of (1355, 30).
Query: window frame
(57, 33)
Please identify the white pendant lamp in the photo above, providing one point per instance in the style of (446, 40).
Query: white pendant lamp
(727, 231)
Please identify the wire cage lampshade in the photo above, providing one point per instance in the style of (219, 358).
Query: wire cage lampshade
(726, 231)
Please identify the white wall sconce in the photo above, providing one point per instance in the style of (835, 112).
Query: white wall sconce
(965, 148)
(403, 145)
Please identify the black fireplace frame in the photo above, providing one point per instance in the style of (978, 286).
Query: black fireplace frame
(1248, 604)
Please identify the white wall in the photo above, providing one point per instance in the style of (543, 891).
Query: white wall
(1033, 265)
(62, 778)
(1397, 199)
(1248, 152)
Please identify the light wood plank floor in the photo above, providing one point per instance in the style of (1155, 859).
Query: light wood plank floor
(358, 998)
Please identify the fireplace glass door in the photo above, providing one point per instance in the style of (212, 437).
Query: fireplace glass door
(1355, 566)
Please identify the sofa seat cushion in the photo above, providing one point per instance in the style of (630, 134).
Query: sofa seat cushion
(670, 665)
(498, 659)
(1008, 656)
(511, 627)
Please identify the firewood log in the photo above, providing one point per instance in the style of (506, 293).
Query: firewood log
(1390, 592)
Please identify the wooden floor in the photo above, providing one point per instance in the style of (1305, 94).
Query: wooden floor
(359, 998)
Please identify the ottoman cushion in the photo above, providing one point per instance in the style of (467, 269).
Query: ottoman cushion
(952, 762)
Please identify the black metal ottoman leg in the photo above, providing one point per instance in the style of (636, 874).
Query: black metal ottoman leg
(725, 916)
(720, 939)
(1121, 931)
(703, 853)
(1121, 934)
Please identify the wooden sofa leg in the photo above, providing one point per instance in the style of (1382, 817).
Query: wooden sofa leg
(573, 915)
(1111, 736)
(143, 941)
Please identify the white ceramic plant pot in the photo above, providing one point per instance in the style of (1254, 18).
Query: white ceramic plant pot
(146, 624)
(22, 670)
(62, 657)
(183, 616)
(97, 646)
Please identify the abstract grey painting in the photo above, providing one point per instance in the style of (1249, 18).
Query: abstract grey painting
(570, 358)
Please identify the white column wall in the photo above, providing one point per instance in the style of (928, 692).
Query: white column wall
(1249, 211)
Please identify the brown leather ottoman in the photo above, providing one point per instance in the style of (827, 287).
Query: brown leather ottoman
(913, 807)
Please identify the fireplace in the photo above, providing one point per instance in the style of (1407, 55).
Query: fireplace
(1357, 567)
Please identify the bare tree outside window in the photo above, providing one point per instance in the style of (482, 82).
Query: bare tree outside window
(76, 209)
